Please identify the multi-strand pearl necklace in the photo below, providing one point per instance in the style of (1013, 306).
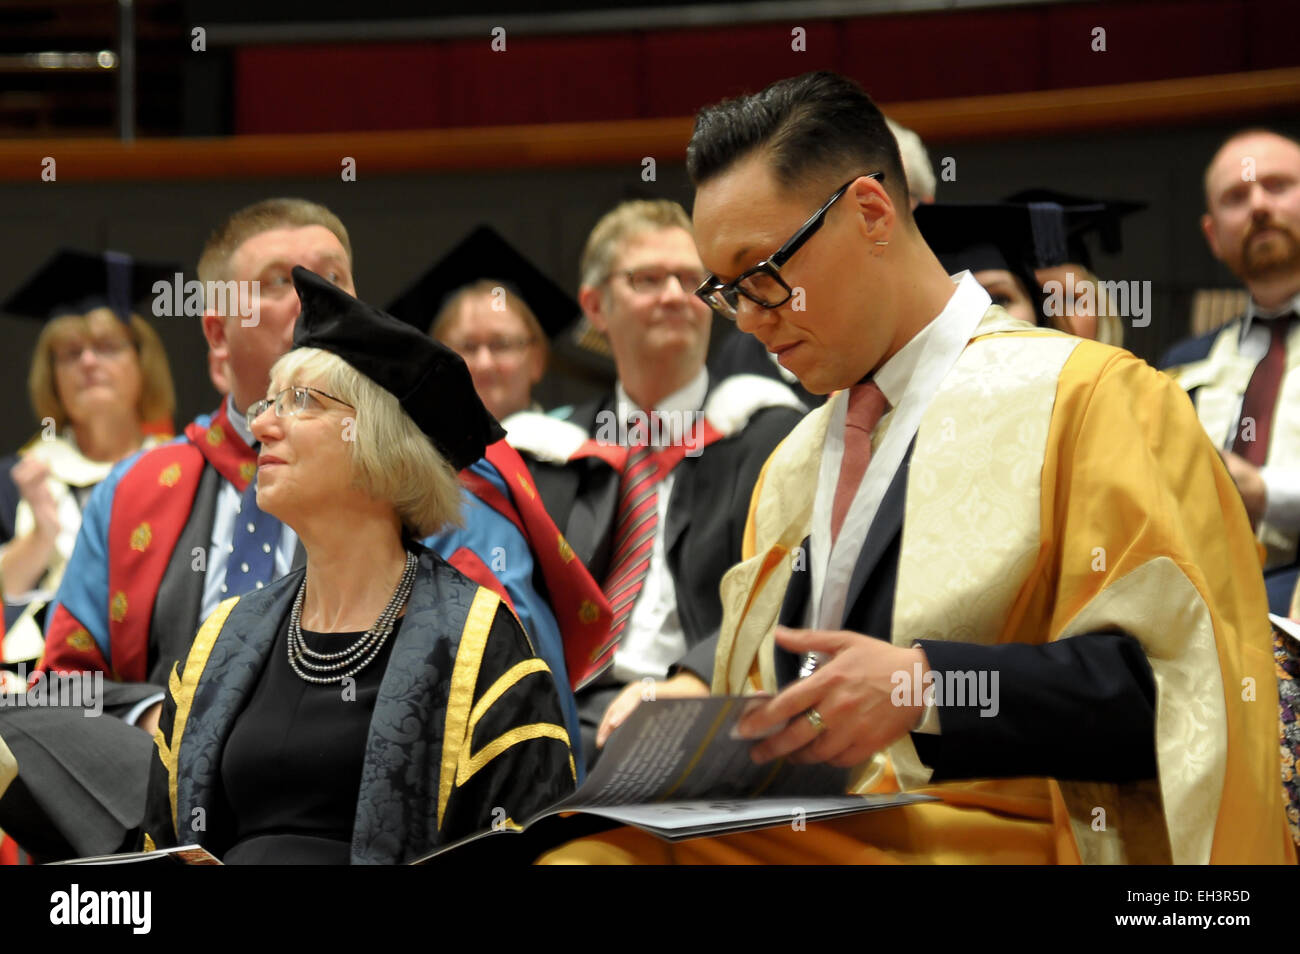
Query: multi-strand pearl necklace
(366, 647)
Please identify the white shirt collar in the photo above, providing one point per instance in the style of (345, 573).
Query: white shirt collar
(688, 398)
(238, 422)
(1254, 312)
(892, 376)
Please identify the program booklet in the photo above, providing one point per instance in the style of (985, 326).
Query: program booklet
(677, 770)
(181, 855)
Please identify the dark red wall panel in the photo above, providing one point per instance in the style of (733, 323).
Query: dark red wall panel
(687, 69)
(542, 79)
(304, 89)
(897, 58)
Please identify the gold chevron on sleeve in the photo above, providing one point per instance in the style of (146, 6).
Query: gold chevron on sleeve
(500, 687)
(469, 763)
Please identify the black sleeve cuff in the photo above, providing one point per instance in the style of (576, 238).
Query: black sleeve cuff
(1081, 708)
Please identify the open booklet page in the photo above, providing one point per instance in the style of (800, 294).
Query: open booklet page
(677, 770)
(180, 855)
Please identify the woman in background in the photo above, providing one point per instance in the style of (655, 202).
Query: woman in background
(101, 389)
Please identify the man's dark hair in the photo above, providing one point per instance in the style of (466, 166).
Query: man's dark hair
(811, 127)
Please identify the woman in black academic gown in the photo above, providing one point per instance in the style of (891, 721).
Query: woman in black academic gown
(377, 704)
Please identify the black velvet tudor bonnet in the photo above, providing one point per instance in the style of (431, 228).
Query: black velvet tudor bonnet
(429, 380)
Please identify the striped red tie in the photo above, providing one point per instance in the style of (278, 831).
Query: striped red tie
(634, 536)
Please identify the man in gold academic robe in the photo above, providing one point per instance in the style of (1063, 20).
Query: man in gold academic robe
(1001, 565)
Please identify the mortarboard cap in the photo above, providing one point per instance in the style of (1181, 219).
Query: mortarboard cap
(429, 380)
(991, 235)
(484, 254)
(73, 282)
(1082, 217)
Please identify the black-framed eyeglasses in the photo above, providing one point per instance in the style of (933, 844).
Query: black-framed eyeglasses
(287, 403)
(763, 284)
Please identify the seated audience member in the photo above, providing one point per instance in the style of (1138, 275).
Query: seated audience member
(650, 484)
(995, 243)
(281, 729)
(981, 504)
(101, 389)
(494, 308)
(1243, 377)
(744, 354)
(130, 602)
(164, 538)
(1089, 311)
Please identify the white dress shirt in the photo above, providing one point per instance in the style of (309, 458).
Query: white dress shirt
(654, 638)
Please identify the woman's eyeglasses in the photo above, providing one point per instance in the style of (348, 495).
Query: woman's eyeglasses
(288, 403)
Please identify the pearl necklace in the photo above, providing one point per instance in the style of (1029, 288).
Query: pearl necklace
(365, 648)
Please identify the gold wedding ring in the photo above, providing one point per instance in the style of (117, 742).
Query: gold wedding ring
(815, 717)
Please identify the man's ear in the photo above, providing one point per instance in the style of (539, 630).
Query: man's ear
(592, 300)
(875, 208)
(1211, 238)
(214, 330)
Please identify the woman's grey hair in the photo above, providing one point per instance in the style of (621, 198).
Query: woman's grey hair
(392, 459)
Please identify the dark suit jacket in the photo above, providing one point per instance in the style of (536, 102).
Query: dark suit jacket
(1079, 708)
(706, 512)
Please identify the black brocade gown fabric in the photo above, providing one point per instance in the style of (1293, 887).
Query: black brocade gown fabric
(292, 765)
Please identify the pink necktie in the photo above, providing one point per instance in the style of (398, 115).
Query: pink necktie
(866, 405)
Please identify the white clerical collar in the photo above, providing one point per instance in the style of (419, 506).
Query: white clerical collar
(688, 398)
(968, 295)
(238, 422)
(1254, 312)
